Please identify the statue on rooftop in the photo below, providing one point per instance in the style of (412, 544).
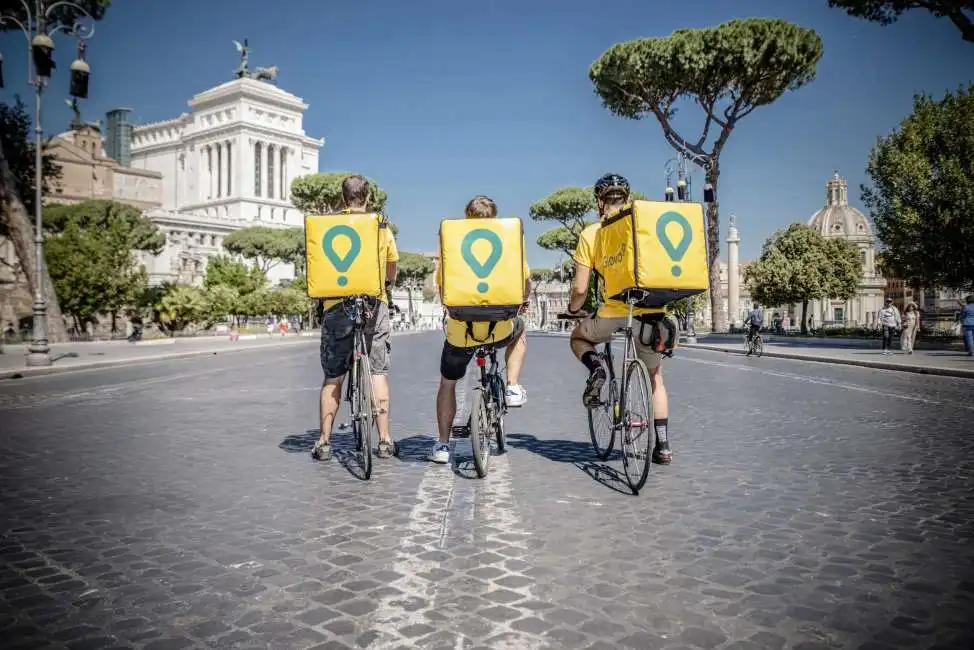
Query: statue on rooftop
(243, 49)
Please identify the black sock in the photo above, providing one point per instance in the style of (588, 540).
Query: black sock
(591, 361)
(660, 426)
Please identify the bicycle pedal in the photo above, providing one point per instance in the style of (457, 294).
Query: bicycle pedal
(460, 432)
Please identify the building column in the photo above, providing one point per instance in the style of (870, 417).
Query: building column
(201, 176)
(263, 168)
(285, 190)
(218, 147)
(228, 146)
(733, 283)
(271, 172)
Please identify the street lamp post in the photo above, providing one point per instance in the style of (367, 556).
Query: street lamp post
(684, 192)
(39, 24)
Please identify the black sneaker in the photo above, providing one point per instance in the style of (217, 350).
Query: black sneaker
(321, 451)
(662, 454)
(591, 398)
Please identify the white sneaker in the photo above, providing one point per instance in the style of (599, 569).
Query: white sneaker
(440, 453)
(515, 396)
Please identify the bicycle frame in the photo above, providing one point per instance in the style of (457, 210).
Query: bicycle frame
(490, 376)
(628, 354)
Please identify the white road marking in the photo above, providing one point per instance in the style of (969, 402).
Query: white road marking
(830, 382)
(426, 519)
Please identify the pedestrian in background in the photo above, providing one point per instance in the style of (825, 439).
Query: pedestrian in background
(889, 321)
(967, 325)
(911, 327)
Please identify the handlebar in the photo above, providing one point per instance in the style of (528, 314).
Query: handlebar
(581, 315)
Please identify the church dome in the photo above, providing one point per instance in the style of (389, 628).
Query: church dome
(838, 218)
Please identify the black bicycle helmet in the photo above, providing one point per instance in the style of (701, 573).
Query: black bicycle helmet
(610, 182)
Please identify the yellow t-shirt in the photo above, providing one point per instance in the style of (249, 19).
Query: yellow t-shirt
(456, 330)
(583, 256)
(387, 251)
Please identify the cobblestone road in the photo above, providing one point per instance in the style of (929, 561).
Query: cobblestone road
(175, 506)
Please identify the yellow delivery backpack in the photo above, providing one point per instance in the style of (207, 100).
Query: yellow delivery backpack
(482, 268)
(657, 246)
(343, 254)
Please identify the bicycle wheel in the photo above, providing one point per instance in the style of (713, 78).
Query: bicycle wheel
(758, 346)
(481, 429)
(637, 425)
(365, 410)
(601, 419)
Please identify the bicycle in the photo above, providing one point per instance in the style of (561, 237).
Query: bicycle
(358, 390)
(488, 409)
(623, 414)
(754, 345)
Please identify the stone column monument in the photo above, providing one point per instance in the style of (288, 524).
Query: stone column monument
(733, 270)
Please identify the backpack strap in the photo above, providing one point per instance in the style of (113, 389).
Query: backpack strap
(490, 332)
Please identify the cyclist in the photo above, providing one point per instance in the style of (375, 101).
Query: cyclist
(337, 337)
(611, 195)
(461, 344)
(754, 321)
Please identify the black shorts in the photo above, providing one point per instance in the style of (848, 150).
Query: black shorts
(454, 360)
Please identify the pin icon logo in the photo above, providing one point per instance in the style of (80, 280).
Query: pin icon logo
(677, 251)
(466, 250)
(341, 263)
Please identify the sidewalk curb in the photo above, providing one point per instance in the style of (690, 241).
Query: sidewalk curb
(879, 365)
(40, 371)
(27, 372)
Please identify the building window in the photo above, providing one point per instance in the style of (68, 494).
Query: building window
(272, 212)
(270, 174)
(229, 169)
(257, 172)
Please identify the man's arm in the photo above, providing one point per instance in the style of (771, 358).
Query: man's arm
(392, 270)
(579, 287)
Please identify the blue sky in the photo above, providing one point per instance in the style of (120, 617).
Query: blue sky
(439, 100)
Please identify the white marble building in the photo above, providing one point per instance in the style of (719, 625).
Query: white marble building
(226, 164)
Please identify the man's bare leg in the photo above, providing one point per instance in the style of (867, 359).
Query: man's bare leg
(514, 356)
(661, 414)
(446, 408)
(331, 394)
(380, 392)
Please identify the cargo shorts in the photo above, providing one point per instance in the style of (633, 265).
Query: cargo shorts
(599, 330)
(338, 340)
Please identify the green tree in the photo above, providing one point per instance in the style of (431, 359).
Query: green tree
(17, 193)
(573, 208)
(178, 306)
(886, 12)
(922, 194)
(541, 274)
(90, 255)
(321, 193)
(798, 265)
(223, 270)
(843, 271)
(678, 308)
(65, 13)
(414, 268)
(728, 71)
(266, 247)
(222, 301)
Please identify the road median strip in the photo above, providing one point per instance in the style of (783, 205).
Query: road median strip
(962, 373)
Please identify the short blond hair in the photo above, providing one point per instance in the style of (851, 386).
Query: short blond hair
(481, 207)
